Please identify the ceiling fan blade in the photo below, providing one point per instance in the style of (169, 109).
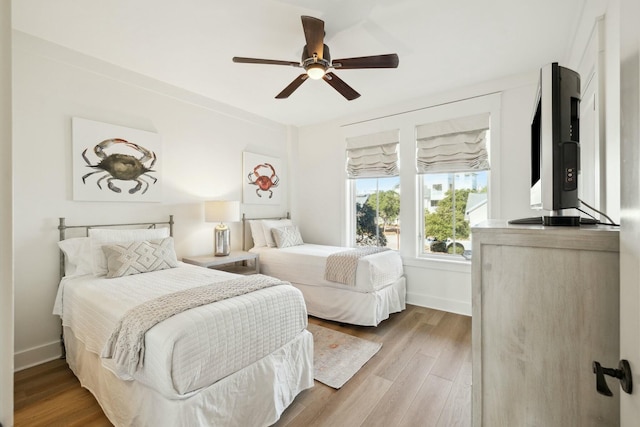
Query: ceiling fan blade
(377, 61)
(292, 86)
(264, 61)
(314, 35)
(339, 85)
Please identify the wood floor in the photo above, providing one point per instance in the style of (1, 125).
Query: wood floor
(420, 377)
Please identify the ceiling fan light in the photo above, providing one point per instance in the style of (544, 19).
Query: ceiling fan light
(315, 71)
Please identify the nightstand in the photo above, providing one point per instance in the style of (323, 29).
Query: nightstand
(235, 262)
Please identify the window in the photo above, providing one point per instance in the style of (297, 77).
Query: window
(377, 212)
(372, 168)
(452, 159)
(448, 217)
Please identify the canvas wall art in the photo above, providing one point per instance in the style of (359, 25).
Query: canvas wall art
(261, 179)
(115, 163)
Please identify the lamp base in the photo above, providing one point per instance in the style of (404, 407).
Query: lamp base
(222, 240)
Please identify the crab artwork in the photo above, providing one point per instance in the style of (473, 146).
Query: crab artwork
(119, 166)
(265, 183)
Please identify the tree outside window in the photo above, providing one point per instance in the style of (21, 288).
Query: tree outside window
(448, 221)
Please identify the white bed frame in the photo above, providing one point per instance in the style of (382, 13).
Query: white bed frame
(339, 304)
(253, 396)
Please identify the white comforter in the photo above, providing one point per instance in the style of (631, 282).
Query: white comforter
(192, 349)
(305, 264)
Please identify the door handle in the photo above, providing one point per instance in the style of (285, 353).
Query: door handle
(623, 373)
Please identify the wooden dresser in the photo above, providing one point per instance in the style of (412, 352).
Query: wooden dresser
(545, 306)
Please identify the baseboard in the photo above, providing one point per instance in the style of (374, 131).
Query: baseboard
(36, 355)
(452, 306)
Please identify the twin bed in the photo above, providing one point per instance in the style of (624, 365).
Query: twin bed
(238, 354)
(378, 287)
(239, 361)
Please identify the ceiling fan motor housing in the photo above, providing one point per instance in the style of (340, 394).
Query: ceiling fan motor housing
(309, 58)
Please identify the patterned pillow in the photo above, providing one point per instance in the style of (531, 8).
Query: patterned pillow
(287, 236)
(137, 257)
(269, 224)
(107, 236)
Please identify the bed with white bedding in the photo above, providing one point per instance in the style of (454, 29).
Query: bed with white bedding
(238, 361)
(378, 287)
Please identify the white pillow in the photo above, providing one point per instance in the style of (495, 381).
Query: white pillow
(287, 236)
(269, 224)
(104, 236)
(77, 252)
(257, 233)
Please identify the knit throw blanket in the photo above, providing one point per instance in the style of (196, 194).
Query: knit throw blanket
(126, 344)
(341, 266)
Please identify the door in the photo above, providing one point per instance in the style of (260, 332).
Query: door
(630, 205)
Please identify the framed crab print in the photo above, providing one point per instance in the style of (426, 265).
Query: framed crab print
(115, 163)
(261, 179)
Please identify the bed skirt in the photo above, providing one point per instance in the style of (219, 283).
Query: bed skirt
(254, 396)
(354, 307)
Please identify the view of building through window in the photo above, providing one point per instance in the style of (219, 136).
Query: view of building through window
(378, 211)
(452, 203)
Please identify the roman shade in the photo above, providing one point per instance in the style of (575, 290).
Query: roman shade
(449, 146)
(374, 155)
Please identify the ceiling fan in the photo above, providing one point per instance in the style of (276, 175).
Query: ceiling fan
(316, 60)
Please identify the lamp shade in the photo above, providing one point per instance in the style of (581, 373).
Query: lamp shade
(221, 211)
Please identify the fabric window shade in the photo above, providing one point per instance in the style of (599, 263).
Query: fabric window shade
(457, 145)
(373, 156)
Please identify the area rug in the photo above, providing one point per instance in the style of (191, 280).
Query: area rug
(338, 356)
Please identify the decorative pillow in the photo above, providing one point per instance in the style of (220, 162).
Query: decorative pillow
(139, 257)
(104, 236)
(269, 224)
(287, 236)
(257, 233)
(77, 252)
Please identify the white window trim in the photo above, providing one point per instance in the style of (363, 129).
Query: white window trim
(351, 212)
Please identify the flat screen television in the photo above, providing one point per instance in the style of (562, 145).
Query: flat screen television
(555, 146)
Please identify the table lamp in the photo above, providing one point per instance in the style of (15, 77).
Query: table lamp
(221, 211)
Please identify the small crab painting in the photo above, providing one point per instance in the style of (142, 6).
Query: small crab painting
(115, 163)
(262, 180)
(265, 183)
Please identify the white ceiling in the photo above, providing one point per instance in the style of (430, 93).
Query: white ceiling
(442, 45)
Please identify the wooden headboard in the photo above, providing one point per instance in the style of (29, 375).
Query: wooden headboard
(247, 239)
(84, 231)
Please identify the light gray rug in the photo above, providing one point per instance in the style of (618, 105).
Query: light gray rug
(338, 356)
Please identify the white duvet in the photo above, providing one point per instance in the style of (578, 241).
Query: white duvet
(305, 264)
(190, 350)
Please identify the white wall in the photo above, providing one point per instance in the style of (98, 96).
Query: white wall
(202, 145)
(320, 197)
(6, 208)
(599, 28)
